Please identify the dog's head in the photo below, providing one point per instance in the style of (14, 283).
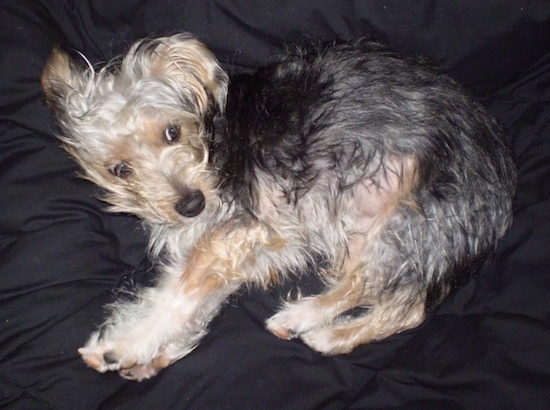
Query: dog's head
(137, 126)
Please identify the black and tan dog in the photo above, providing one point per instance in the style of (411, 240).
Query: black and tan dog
(345, 153)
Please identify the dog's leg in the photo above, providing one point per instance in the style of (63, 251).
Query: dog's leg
(378, 293)
(168, 321)
(360, 306)
(300, 316)
(390, 316)
(348, 314)
(163, 324)
(366, 277)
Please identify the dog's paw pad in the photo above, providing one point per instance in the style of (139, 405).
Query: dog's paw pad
(139, 372)
(110, 357)
(96, 358)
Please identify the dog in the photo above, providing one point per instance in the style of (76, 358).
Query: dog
(370, 165)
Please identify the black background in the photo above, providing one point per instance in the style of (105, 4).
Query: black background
(487, 346)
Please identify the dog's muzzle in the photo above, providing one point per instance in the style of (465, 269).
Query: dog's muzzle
(191, 203)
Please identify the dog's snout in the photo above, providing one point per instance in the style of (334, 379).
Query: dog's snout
(191, 203)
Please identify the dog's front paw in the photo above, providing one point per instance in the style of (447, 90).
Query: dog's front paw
(139, 372)
(121, 356)
(99, 355)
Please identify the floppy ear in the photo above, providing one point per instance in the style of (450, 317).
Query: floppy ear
(66, 86)
(186, 62)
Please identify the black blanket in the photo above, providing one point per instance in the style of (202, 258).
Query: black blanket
(486, 347)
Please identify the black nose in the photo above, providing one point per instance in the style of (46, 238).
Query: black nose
(191, 203)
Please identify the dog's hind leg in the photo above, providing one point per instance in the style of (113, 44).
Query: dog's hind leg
(300, 316)
(353, 311)
(392, 314)
(371, 276)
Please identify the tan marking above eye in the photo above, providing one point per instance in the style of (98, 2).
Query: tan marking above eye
(172, 133)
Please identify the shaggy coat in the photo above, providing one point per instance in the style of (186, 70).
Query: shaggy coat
(370, 165)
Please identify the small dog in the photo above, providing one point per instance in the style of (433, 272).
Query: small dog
(368, 164)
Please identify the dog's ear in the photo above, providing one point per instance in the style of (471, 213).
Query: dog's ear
(190, 64)
(66, 86)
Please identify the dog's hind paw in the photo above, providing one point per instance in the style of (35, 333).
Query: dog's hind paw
(328, 341)
(281, 332)
(294, 319)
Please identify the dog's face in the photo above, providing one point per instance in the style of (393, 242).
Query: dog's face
(137, 126)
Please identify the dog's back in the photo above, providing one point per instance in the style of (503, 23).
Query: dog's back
(328, 119)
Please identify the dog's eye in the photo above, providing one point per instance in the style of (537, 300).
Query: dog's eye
(172, 134)
(121, 170)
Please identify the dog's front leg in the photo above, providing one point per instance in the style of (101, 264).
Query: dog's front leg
(166, 322)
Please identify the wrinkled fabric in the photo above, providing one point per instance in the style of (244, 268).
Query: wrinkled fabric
(61, 255)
